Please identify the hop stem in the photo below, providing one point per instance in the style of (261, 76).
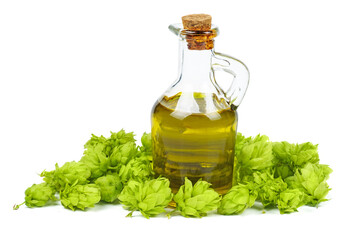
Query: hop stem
(16, 206)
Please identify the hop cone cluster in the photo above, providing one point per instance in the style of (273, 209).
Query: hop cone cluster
(278, 174)
(107, 163)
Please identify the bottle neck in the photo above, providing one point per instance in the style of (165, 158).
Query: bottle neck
(195, 67)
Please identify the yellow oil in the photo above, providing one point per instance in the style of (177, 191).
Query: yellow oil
(194, 145)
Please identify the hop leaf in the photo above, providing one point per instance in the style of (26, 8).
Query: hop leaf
(139, 169)
(69, 173)
(96, 160)
(289, 200)
(311, 179)
(110, 187)
(239, 198)
(149, 197)
(80, 196)
(197, 200)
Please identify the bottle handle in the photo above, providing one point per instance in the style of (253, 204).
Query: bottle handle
(233, 66)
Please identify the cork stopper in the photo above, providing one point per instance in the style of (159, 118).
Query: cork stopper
(197, 22)
(197, 31)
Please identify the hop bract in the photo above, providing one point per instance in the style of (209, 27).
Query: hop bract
(80, 196)
(239, 198)
(149, 197)
(197, 200)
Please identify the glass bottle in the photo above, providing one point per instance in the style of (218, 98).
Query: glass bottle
(194, 122)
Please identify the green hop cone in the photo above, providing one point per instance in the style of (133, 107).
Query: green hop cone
(80, 196)
(103, 141)
(289, 157)
(96, 160)
(146, 141)
(110, 187)
(38, 195)
(145, 151)
(289, 200)
(197, 200)
(239, 198)
(122, 154)
(108, 144)
(311, 179)
(139, 169)
(269, 187)
(120, 138)
(149, 197)
(69, 173)
(252, 154)
(146, 148)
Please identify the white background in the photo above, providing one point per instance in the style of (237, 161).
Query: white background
(72, 68)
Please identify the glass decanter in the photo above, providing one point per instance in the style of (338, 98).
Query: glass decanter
(194, 122)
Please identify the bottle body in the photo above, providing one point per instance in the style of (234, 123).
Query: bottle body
(197, 144)
(194, 122)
